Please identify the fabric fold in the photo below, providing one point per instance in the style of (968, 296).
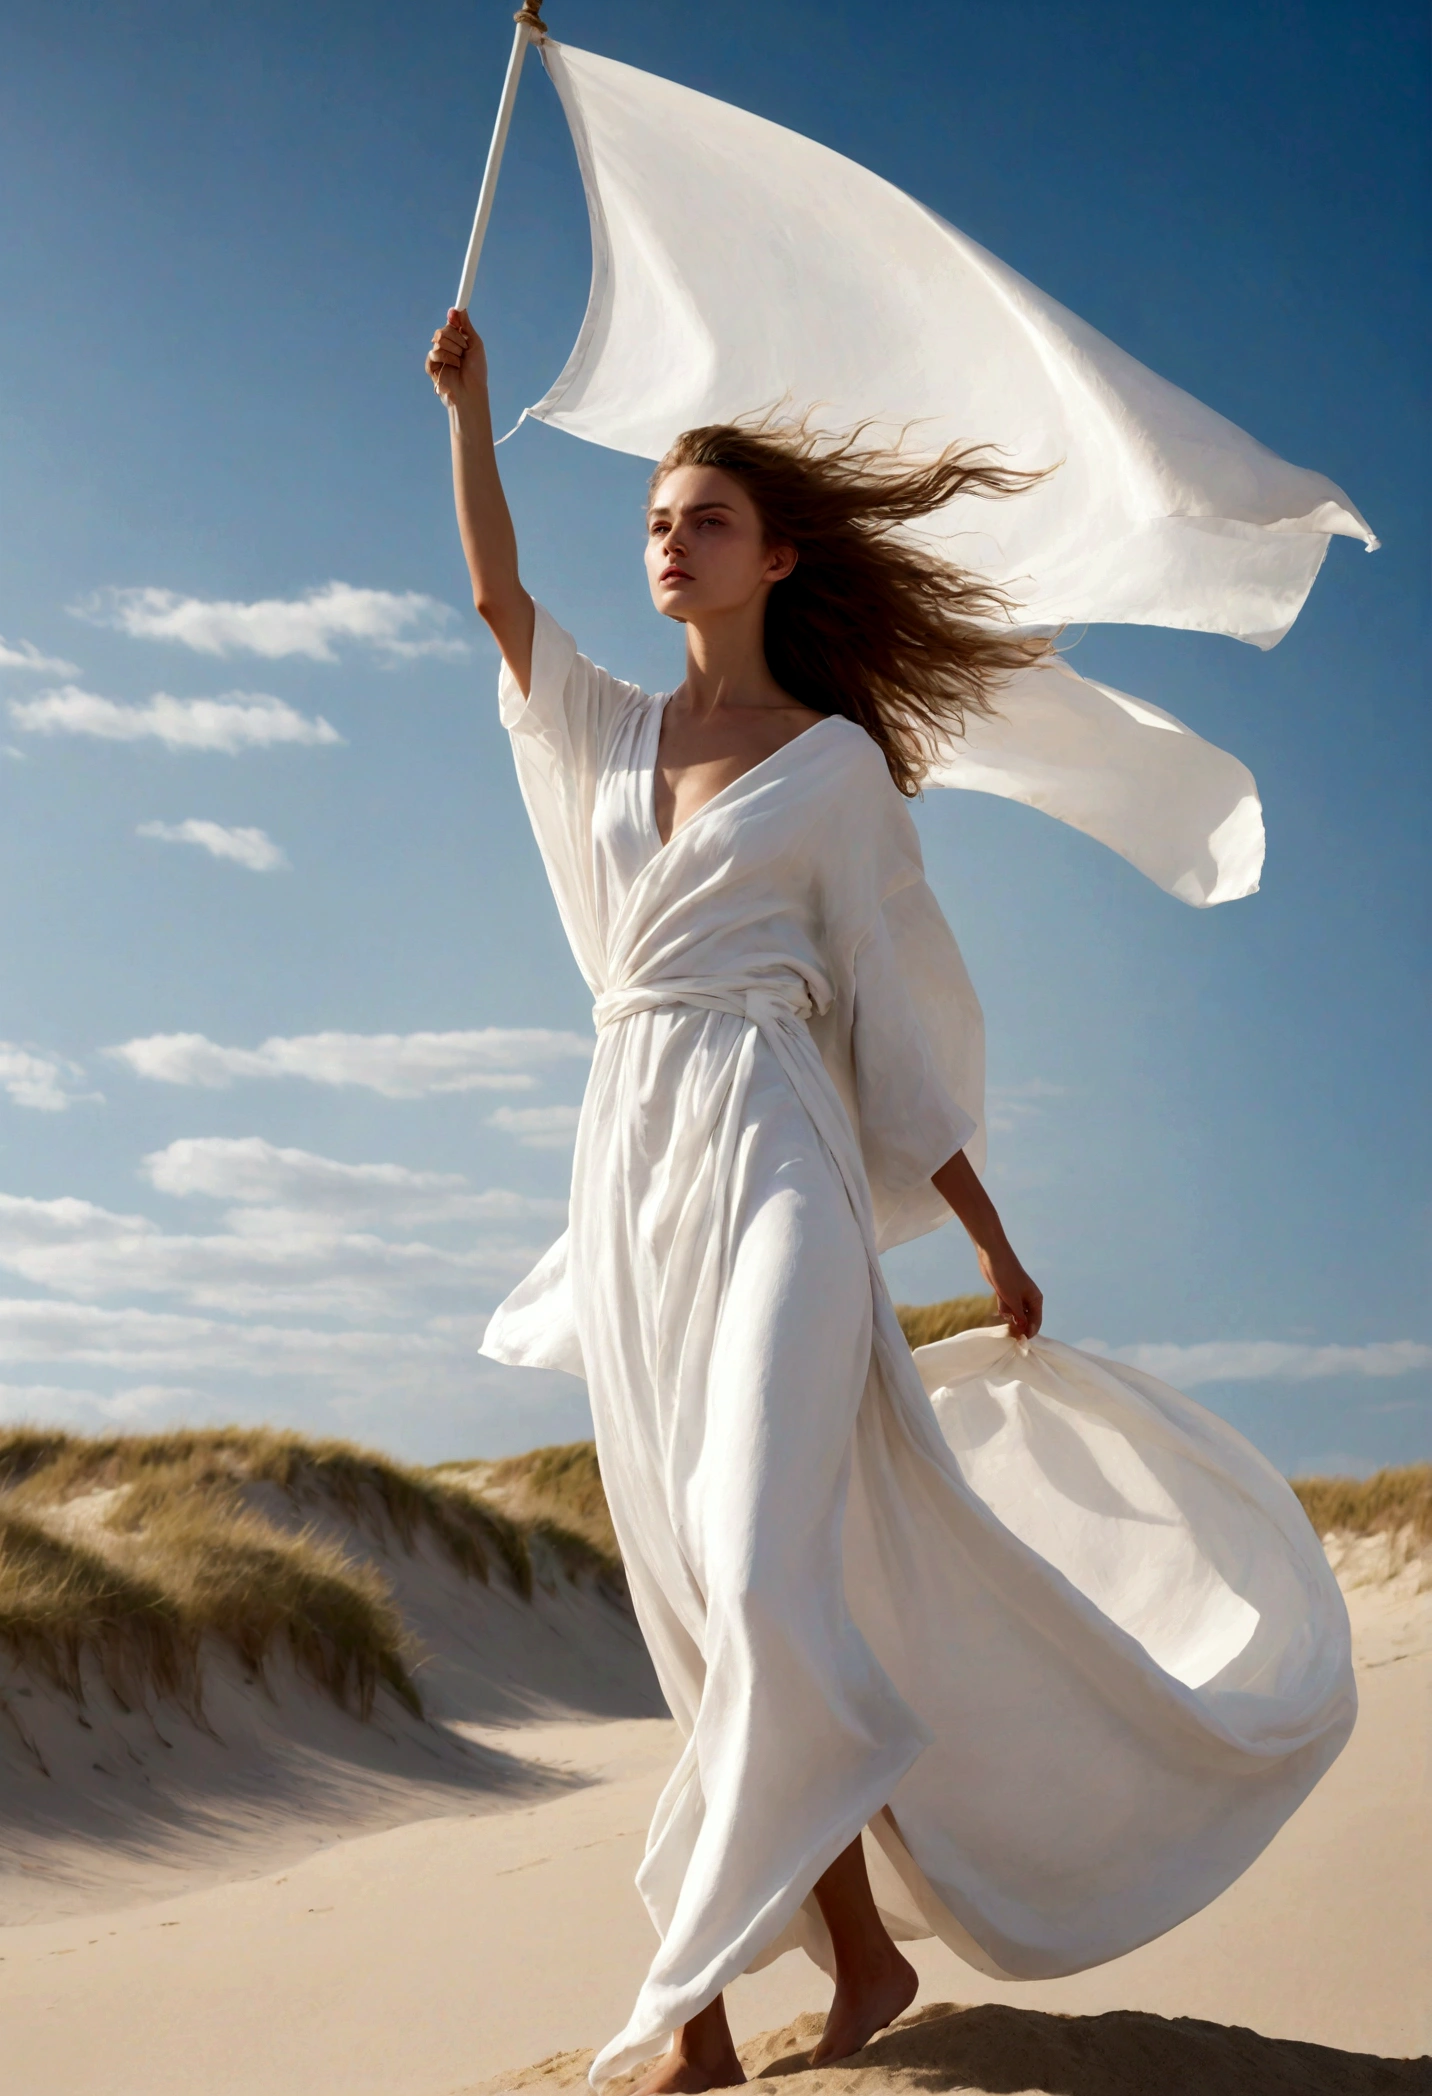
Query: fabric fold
(1126, 773)
(1060, 1641)
(737, 266)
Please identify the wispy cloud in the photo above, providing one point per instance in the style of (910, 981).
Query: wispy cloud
(288, 1262)
(538, 1127)
(1011, 1106)
(41, 1329)
(24, 655)
(305, 1234)
(255, 1174)
(46, 1082)
(242, 720)
(139, 1405)
(252, 848)
(290, 1286)
(1268, 1360)
(400, 625)
(399, 1066)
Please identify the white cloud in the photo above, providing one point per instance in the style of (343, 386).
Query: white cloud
(297, 1288)
(63, 1403)
(1268, 1360)
(259, 1176)
(24, 655)
(305, 1234)
(45, 1082)
(152, 1366)
(288, 1261)
(247, 1168)
(252, 848)
(26, 1400)
(1009, 1106)
(538, 1127)
(241, 720)
(38, 1329)
(399, 1066)
(288, 1264)
(400, 625)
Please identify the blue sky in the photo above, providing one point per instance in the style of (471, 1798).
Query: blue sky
(342, 1132)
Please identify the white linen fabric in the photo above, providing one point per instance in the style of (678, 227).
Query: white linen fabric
(1184, 812)
(737, 266)
(1060, 1641)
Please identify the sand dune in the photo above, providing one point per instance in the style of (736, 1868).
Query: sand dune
(272, 1898)
(102, 1805)
(943, 2047)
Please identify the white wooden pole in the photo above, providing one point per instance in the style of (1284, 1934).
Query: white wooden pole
(530, 29)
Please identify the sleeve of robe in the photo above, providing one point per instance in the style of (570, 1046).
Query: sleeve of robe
(903, 1041)
(560, 735)
(917, 1043)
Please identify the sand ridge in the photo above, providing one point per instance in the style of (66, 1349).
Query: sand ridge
(449, 1900)
(943, 2046)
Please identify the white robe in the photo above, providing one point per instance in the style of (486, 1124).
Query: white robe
(1062, 1641)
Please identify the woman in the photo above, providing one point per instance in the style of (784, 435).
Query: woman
(786, 1081)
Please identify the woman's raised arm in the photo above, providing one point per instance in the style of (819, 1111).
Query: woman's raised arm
(457, 366)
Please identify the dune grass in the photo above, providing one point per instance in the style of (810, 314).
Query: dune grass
(373, 1491)
(1388, 1503)
(123, 1555)
(129, 1551)
(555, 1493)
(61, 1603)
(924, 1323)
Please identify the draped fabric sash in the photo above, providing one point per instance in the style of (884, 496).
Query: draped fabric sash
(780, 1020)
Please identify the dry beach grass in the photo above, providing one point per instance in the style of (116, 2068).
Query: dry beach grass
(129, 1552)
(1390, 1502)
(284, 1721)
(924, 1323)
(551, 1490)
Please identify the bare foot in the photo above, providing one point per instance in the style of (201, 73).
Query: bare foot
(702, 2057)
(858, 2012)
(677, 2076)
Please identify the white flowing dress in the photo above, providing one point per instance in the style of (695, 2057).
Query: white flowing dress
(1059, 1640)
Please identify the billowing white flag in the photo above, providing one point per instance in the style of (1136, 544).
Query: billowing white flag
(1183, 811)
(738, 267)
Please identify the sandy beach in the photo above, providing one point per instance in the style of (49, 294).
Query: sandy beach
(283, 1900)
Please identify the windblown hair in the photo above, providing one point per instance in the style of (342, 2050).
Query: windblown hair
(870, 623)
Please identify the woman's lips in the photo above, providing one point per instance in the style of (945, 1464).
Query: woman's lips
(675, 575)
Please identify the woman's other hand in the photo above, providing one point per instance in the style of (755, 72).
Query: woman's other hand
(1020, 1302)
(457, 362)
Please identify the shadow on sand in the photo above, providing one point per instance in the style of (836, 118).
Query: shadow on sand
(993, 2050)
(999, 2050)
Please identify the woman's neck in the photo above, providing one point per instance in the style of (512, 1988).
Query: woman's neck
(726, 663)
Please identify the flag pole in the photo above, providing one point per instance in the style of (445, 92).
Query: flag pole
(530, 30)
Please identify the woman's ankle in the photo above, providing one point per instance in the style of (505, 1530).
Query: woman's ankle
(875, 1958)
(706, 2039)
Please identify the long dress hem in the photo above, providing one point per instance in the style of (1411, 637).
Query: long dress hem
(1061, 1639)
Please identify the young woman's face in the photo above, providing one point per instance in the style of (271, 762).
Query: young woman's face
(706, 548)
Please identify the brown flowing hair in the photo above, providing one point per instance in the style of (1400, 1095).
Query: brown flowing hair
(870, 623)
